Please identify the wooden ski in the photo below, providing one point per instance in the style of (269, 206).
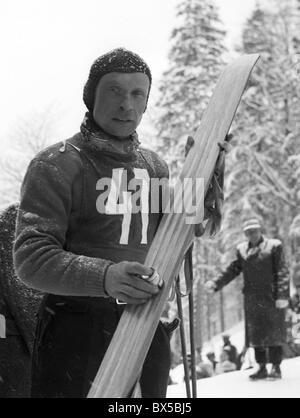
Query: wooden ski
(124, 358)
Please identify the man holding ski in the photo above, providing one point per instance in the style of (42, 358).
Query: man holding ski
(77, 243)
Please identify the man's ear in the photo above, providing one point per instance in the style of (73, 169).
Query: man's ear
(147, 99)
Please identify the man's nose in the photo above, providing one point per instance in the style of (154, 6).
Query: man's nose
(126, 102)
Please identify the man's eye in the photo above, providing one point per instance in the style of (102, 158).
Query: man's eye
(139, 93)
(115, 90)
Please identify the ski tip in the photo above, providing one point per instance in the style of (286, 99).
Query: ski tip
(251, 58)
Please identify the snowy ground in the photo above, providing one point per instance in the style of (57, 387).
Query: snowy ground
(238, 385)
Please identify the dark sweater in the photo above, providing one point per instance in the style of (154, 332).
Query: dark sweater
(63, 244)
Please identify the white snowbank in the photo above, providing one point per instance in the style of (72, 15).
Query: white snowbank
(238, 385)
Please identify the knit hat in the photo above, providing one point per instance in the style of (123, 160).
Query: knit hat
(251, 224)
(119, 60)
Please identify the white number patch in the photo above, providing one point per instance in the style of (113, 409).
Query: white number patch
(135, 200)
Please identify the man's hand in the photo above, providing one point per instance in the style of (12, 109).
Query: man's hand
(123, 281)
(214, 196)
(210, 286)
(295, 301)
(282, 303)
(224, 146)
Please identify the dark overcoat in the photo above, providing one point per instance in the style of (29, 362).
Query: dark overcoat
(266, 279)
(18, 310)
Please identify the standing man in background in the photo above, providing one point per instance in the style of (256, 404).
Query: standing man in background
(266, 295)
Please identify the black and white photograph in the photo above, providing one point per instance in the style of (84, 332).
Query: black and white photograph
(150, 201)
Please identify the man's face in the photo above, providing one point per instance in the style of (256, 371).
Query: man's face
(253, 235)
(120, 102)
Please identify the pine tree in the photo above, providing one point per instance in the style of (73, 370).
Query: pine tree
(195, 60)
(264, 165)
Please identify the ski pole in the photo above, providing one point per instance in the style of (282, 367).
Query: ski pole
(188, 271)
(182, 339)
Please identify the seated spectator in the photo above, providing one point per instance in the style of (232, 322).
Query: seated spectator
(212, 358)
(225, 365)
(203, 369)
(231, 349)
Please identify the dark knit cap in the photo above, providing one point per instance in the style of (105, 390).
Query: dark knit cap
(119, 60)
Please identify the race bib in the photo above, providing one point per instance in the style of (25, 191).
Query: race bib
(134, 198)
(2, 326)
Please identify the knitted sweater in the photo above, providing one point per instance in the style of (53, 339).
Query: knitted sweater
(64, 243)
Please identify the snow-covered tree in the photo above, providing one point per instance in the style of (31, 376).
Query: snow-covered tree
(196, 58)
(27, 137)
(263, 172)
